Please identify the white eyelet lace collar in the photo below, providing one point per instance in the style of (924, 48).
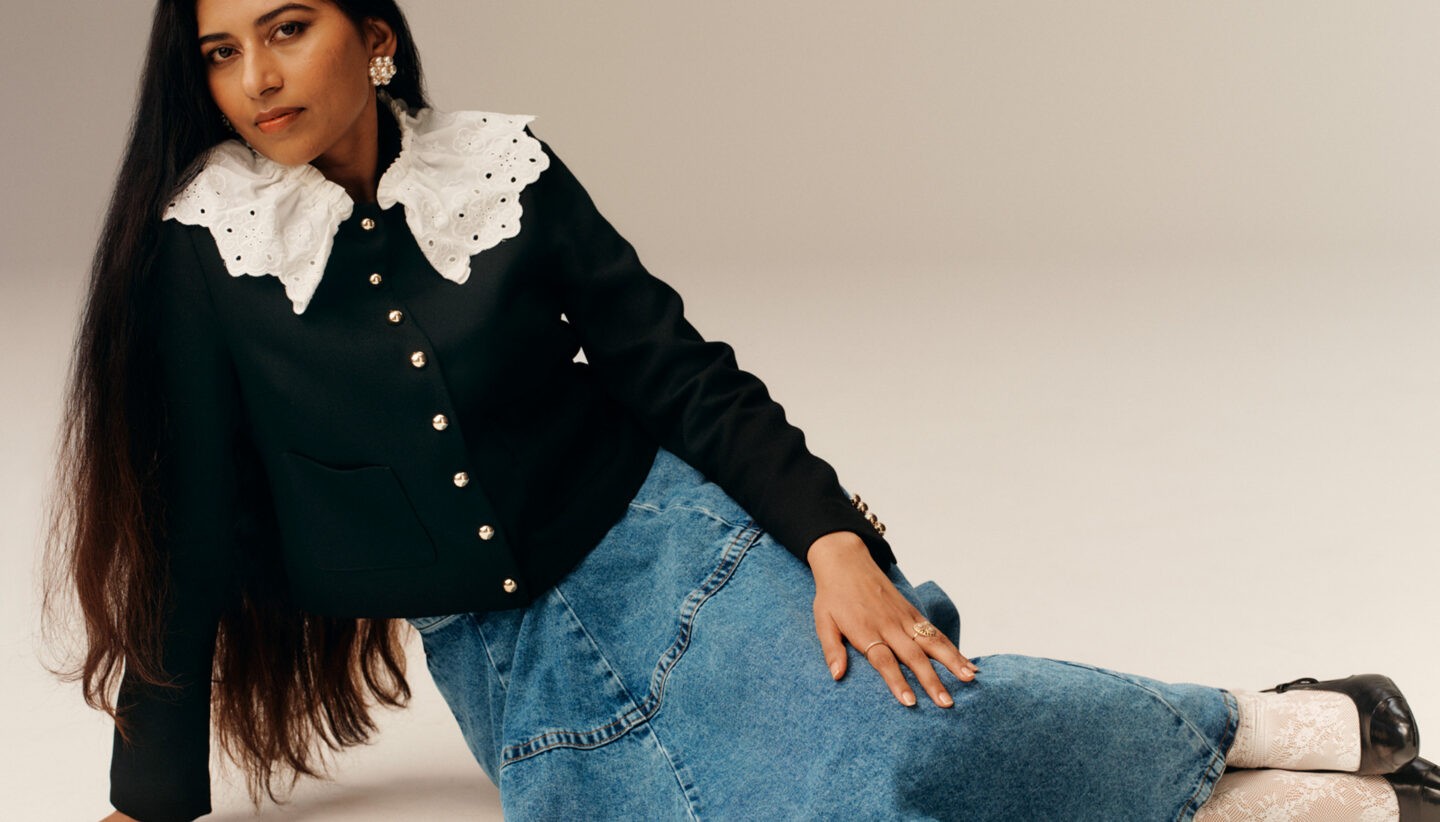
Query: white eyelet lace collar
(459, 175)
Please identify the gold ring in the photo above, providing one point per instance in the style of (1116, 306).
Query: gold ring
(923, 628)
(872, 645)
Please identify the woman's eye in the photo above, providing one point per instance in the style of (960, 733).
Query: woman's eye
(289, 29)
(285, 31)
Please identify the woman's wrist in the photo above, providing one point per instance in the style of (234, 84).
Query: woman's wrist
(836, 547)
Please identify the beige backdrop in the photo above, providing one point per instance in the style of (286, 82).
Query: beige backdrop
(1120, 313)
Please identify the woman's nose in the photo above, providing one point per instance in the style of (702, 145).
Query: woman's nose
(261, 75)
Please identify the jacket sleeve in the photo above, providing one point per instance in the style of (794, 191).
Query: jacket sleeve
(162, 773)
(689, 392)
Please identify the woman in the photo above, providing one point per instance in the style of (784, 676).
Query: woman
(327, 380)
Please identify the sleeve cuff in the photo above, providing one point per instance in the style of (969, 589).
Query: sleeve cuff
(833, 514)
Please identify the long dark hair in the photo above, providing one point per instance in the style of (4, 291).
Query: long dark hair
(283, 679)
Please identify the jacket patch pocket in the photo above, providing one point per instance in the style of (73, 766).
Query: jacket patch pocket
(350, 519)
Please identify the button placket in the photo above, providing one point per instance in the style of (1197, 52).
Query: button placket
(439, 421)
(485, 532)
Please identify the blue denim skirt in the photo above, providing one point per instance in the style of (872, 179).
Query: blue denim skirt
(675, 673)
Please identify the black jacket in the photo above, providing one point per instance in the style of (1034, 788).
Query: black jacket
(469, 480)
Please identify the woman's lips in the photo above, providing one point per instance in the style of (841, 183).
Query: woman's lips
(278, 120)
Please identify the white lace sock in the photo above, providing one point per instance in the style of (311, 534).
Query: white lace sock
(1297, 796)
(1298, 730)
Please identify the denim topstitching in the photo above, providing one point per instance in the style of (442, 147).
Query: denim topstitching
(739, 545)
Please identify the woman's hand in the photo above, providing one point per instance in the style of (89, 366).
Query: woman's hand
(118, 817)
(855, 600)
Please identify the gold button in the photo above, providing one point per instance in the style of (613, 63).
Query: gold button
(395, 316)
(461, 478)
(509, 585)
(418, 359)
(486, 532)
(439, 421)
(367, 224)
(375, 279)
(880, 528)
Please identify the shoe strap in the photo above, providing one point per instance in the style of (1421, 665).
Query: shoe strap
(1285, 686)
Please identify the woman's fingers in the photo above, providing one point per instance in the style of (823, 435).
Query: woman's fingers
(882, 658)
(832, 644)
(918, 661)
(941, 648)
(916, 653)
(856, 602)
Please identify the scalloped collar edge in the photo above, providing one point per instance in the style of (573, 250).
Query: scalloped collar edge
(458, 174)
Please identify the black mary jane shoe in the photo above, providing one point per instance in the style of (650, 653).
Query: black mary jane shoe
(1388, 736)
(1417, 787)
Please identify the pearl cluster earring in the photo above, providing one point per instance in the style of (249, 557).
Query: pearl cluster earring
(225, 121)
(381, 70)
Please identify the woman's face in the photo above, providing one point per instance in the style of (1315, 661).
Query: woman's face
(292, 78)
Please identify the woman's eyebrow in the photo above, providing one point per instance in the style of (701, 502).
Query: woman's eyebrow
(261, 20)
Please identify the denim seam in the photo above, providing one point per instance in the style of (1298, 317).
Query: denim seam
(687, 507)
(490, 657)
(1159, 697)
(1232, 724)
(612, 730)
(437, 624)
(691, 607)
(1217, 753)
(687, 789)
(595, 737)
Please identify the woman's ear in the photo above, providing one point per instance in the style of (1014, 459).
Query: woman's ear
(379, 38)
